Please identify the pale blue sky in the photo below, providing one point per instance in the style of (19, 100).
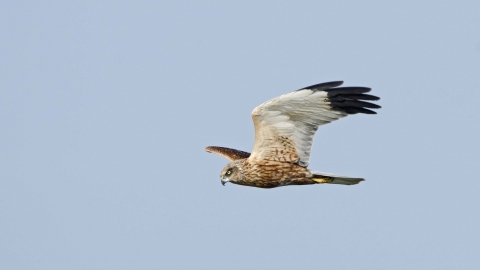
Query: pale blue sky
(106, 106)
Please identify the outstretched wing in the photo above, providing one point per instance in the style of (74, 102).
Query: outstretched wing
(228, 153)
(285, 126)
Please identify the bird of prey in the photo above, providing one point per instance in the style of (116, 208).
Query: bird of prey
(284, 131)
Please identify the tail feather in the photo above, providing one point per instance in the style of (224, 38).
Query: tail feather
(328, 178)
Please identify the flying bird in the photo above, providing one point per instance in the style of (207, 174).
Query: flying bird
(284, 131)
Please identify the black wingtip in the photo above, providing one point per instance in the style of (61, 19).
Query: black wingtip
(361, 97)
(347, 99)
(355, 110)
(347, 90)
(323, 86)
(354, 103)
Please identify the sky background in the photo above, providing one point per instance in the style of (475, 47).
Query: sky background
(106, 107)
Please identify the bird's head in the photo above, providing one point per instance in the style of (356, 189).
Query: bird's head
(231, 173)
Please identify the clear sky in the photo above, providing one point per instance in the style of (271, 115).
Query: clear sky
(106, 106)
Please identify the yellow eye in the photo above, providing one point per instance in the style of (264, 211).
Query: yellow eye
(229, 172)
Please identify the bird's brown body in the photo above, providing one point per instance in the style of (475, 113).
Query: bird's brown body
(267, 173)
(284, 130)
(270, 174)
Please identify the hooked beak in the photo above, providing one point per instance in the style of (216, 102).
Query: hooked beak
(223, 180)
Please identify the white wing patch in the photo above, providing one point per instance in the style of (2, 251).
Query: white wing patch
(292, 117)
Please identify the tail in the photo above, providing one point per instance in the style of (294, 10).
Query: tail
(327, 178)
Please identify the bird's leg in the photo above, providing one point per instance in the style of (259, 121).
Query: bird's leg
(323, 179)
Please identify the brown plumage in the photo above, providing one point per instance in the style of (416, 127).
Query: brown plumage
(284, 131)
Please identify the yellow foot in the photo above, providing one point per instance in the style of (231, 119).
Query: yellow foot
(323, 179)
